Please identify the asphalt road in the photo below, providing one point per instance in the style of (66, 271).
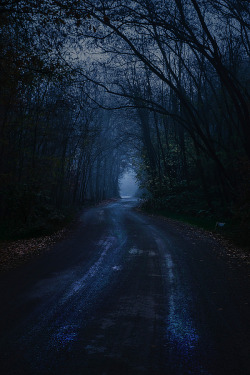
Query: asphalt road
(126, 293)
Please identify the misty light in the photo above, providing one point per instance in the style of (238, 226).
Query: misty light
(128, 185)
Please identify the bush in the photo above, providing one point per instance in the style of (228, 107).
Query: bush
(30, 213)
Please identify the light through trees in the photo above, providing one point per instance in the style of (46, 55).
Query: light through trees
(87, 87)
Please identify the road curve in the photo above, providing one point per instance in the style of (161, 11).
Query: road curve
(125, 293)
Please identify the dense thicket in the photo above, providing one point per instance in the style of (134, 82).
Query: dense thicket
(56, 149)
(187, 76)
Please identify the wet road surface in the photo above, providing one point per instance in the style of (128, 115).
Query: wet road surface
(125, 293)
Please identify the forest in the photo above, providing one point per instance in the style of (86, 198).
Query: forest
(90, 89)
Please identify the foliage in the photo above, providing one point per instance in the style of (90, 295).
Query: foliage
(51, 152)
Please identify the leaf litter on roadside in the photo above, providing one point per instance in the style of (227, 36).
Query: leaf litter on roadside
(13, 253)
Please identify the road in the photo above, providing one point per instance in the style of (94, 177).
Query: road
(126, 293)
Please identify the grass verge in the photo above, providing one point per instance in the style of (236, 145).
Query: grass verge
(232, 231)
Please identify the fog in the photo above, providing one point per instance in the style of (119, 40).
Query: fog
(128, 185)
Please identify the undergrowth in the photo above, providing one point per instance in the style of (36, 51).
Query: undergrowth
(190, 208)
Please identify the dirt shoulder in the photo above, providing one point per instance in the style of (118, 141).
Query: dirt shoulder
(16, 252)
(226, 249)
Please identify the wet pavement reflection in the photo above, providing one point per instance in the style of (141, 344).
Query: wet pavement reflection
(123, 295)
